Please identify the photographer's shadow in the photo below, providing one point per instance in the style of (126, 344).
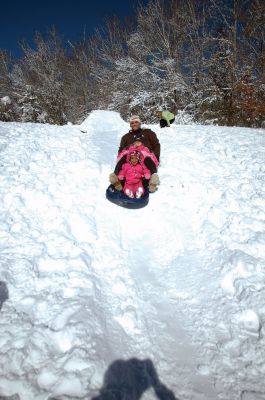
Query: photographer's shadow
(3, 293)
(128, 380)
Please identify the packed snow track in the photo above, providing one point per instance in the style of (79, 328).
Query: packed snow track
(84, 283)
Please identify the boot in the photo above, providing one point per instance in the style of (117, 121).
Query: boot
(129, 193)
(139, 193)
(114, 180)
(153, 183)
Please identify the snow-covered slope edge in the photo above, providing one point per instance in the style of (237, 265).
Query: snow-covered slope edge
(180, 282)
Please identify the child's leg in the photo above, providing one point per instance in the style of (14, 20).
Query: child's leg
(128, 191)
(139, 190)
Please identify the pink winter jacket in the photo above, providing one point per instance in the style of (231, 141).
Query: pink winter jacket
(133, 174)
(143, 150)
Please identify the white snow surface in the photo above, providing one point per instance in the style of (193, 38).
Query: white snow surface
(180, 282)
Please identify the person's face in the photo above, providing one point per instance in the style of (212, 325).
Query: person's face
(135, 125)
(134, 160)
(137, 143)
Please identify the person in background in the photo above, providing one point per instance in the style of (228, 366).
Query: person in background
(165, 118)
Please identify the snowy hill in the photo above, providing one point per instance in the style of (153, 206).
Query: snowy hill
(180, 282)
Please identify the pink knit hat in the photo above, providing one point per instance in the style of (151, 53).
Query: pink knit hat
(136, 154)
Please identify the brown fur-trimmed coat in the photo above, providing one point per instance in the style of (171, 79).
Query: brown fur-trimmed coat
(150, 140)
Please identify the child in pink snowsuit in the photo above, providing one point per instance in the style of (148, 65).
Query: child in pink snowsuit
(133, 171)
(138, 145)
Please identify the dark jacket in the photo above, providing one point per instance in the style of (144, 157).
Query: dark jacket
(150, 140)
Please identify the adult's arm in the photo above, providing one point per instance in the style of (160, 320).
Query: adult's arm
(120, 164)
(123, 143)
(146, 172)
(122, 173)
(155, 145)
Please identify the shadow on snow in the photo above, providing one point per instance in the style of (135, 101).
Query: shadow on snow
(128, 380)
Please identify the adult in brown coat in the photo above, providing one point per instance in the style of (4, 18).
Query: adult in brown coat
(150, 140)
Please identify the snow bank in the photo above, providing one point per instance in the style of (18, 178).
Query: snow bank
(180, 282)
(103, 120)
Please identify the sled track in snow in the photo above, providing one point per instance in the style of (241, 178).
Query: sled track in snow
(179, 282)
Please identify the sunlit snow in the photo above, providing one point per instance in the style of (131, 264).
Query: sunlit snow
(87, 287)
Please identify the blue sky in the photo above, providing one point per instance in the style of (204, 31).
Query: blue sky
(21, 19)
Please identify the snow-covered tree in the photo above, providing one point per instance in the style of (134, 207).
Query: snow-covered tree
(203, 58)
(42, 69)
(142, 88)
(28, 106)
(7, 112)
(6, 109)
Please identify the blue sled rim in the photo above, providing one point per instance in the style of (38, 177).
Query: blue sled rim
(122, 200)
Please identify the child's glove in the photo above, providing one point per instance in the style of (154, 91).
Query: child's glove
(147, 176)
(121, 177)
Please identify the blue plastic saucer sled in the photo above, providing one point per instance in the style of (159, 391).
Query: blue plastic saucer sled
(122, 200)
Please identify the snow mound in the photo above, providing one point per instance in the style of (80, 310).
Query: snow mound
(103, 120)
(84, 283)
